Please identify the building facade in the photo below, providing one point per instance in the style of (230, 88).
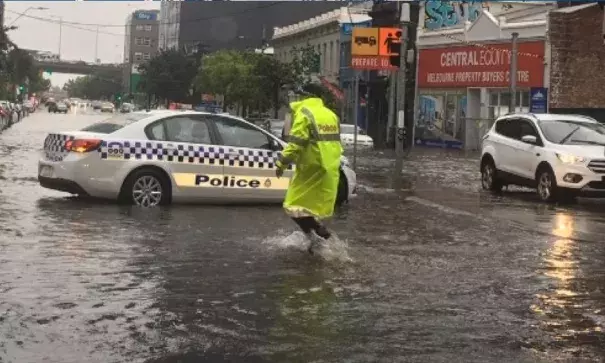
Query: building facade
(463, 73)
(214, 25)
(140, 44)
(329, 35)
(577, 51)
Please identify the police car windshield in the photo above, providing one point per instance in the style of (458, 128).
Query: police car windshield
(115, 123)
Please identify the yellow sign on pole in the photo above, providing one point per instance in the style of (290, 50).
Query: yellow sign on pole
(365, 41)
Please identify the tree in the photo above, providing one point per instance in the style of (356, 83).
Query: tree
(94, 87)
(168, 76)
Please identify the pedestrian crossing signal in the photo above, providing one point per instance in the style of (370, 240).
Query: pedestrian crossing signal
(394, 48)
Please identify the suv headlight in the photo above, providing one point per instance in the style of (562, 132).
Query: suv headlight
(570, 159)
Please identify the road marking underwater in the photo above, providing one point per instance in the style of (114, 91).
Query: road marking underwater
(230, 181)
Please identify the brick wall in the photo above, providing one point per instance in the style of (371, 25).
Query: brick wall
(577, 79)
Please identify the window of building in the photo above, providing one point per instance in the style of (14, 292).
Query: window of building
(138, 41)
(331, 67)
(138, 56)
(499, 100)
(139, 27)
(148, 28)
(147, 41)
(146, 56)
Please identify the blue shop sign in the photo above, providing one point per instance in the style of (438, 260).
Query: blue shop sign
(146, 16)
(538, 100)
(347, 28)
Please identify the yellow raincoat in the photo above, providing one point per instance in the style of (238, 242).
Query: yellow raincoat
(314, 147)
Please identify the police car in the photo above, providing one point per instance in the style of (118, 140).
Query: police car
(158, 157)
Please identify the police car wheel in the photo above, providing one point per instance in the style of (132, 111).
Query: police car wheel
(147, 188)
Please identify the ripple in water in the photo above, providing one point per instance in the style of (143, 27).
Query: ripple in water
(335, 249)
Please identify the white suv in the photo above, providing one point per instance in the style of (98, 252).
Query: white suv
(562, 156)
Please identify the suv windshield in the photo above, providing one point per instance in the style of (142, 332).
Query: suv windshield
(573, 132)
(115, 123)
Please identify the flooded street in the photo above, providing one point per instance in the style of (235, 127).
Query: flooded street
(440, 272)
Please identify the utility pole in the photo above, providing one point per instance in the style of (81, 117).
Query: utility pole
(401, 83)
(60, 34)
(392, 100)
(355, 115)
(514, 57)
(97, 45)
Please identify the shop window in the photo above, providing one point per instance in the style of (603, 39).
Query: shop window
(139, 27)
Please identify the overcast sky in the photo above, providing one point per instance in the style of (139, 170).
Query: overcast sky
(76, 44)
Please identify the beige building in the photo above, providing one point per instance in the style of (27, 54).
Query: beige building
(323, 33)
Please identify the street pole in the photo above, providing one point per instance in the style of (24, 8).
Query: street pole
(513, 74)
(401, 81)
(60, 34)
(355, 115)
(97, 45)
(392, 100)
(367, 96)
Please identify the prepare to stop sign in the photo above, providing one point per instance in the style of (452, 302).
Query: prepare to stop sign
(373, 48)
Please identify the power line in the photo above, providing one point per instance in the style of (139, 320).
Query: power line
(159, 23)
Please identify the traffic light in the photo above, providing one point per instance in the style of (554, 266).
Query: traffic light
(21, 88)
(395, 50)
(49, 71)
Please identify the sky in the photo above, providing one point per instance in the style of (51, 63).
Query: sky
(76, 44)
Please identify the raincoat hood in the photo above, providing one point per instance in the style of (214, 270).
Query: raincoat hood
(309, 102)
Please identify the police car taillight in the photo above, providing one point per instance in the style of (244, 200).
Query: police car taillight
(82, 145)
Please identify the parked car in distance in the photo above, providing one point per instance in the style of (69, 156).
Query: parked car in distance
(107, 107)
(126, 107)
(347, 136)
(59, 107)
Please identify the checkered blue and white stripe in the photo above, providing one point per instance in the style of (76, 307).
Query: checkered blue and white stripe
(56, 142)
(190, 154)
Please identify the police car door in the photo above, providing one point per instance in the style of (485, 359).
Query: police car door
(250, 170)
(191, 155)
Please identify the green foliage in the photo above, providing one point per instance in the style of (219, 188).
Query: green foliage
(168, 76)
(94, 87)
(256, 80)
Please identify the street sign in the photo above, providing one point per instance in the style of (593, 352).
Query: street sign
(365, 41)
(371, 48)
(538, 102)
(390, 41)
(347, 28)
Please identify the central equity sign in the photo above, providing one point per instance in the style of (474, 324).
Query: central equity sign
(487, 65)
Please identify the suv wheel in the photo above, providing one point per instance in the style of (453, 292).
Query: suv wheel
(546, 185)
(489, 177)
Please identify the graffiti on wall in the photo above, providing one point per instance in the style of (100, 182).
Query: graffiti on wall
(445, 14)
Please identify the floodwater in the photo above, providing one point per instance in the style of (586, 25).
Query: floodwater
(428, 270)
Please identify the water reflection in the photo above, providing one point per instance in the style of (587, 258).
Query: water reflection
(564, 308)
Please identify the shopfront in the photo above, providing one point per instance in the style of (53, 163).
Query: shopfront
(462, 89)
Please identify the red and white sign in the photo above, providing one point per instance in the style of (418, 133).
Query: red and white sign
(371, 62)
(486, 65)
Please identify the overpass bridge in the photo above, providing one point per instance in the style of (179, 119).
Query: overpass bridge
(79, 67)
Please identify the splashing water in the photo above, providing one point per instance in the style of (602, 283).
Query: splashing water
(334, 249)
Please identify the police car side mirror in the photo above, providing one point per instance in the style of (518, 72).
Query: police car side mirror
(275, 145)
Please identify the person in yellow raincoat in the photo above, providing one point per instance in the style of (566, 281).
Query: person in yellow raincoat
(314, 148)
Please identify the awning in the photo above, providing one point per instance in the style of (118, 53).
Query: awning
(337, 91)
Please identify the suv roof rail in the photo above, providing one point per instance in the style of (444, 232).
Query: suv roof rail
(520, 113)
(584, 116)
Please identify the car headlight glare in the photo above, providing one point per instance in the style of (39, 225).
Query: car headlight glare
(570, 159)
